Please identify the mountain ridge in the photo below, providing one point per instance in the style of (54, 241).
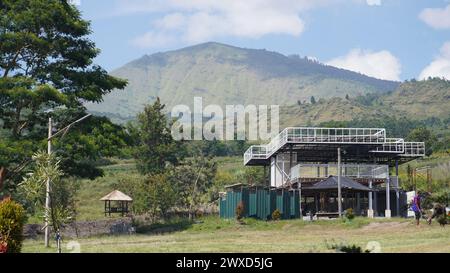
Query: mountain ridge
(224, 74)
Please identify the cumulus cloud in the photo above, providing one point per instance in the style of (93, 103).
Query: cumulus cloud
(373, 2)
(440, 66)
(438, 18)
(381, 64)
(203, 20)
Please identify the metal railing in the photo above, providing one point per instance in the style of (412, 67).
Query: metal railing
(350, 170)
(414, 149)
(392, 145)
(318, 135)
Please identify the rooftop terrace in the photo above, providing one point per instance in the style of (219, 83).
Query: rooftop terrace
(315, 144)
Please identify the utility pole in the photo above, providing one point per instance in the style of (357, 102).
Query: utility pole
(47, 186)
(339, 183)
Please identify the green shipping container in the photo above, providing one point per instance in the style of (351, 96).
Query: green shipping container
(283, 203)
(260, 202)
(295, 204)
(230, 201)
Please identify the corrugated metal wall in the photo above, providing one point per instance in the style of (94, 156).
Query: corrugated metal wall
(260, 202)
(230, 201)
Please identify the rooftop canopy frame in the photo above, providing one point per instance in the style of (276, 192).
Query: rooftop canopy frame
(317, 144)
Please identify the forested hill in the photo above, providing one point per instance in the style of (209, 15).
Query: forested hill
(223, 74)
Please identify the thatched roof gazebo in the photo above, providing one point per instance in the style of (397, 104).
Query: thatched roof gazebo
(120, 202)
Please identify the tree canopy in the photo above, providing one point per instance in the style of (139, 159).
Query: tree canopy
(47, 70)
(156, 147)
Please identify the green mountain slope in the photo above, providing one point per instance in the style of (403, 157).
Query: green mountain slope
(223, 74)
(415, 100)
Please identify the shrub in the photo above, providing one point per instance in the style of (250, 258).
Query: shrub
(276, 215)
(349, 214)
(344, 248)
(12, 219)
(240, 211)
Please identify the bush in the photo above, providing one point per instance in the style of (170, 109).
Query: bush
(344, 248)
(240, 211)
(12, 219)
(349, 214)
(276, 215)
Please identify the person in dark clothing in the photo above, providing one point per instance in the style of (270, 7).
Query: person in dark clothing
(415, 206)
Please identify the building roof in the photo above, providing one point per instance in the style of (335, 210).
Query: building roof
(116, 196)
(331, 183)
(316, 144)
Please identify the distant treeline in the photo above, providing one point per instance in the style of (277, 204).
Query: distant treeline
(434, 132)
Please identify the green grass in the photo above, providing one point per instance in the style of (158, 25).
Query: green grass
(90, 208)
(88, 205)
(212, 234)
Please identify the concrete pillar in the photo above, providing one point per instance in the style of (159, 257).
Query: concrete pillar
(375, 203)
(316, 201)
(397, 194)
(273, 172)
(370, 210)
(339, 197)
(290, 163)
(299, 186)
(358, 203)
(387, 212)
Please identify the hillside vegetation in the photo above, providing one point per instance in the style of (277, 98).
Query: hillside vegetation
(414, 100)
(223, 74)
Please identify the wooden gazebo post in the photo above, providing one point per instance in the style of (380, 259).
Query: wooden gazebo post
(119, 197)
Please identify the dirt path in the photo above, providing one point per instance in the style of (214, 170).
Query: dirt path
(386, 226)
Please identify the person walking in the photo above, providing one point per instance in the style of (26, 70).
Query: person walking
(415, 206)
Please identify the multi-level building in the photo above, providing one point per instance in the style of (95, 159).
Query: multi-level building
(321, 164)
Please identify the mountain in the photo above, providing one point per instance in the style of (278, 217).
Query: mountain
(223, 74)
(415, 100)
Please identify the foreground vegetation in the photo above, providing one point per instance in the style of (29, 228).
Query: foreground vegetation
(212, 234)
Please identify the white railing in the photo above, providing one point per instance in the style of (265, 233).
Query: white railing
(351, 170)
(414, 149)
(392, 145)
(336, 135)
(308, 135)
(316, 135)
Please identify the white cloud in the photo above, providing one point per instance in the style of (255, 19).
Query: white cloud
(155, 39)
(438, 18)
(440, 67)
(381, 64)
(203, 20)
(373, 2)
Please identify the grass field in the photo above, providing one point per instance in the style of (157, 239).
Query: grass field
(217, 235)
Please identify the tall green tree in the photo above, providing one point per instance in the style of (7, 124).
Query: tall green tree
(155, 148)
(192, 179)
(46, 63)
(424, 135)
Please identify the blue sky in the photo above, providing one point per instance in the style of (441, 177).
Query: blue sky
(389, 39)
